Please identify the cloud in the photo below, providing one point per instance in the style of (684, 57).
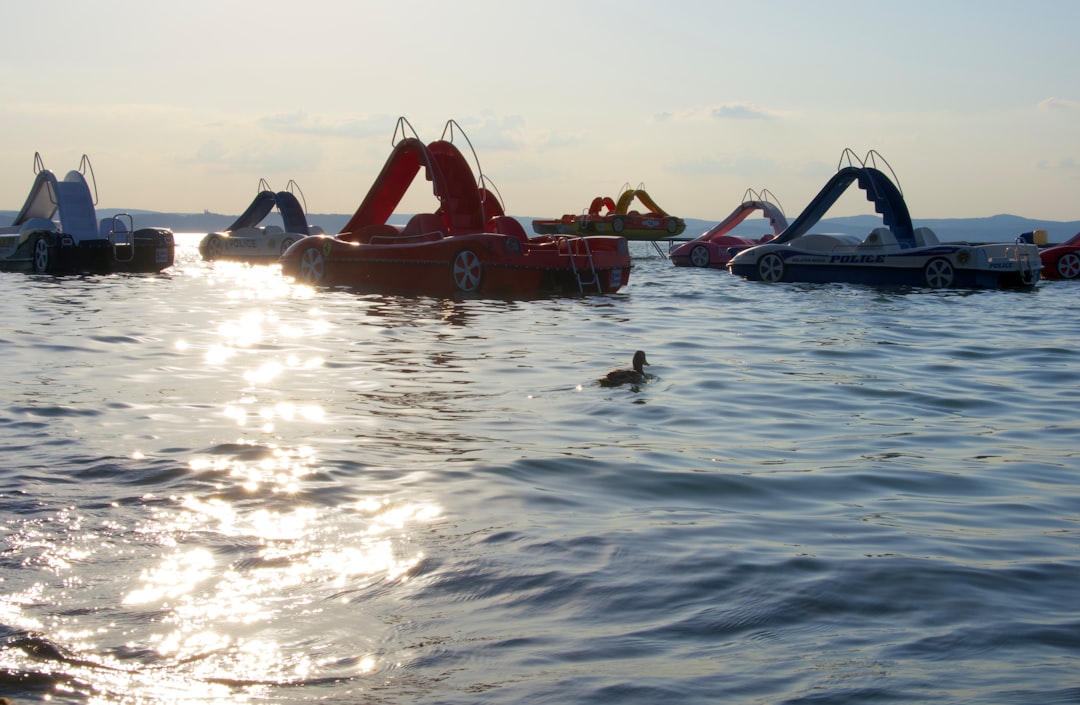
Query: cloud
(300, 123)
(1061, 104)
(1068, 164)
(707, 166)
(255, 157)
(738, 110)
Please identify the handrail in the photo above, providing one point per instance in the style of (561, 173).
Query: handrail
(872, 156)
(770, 197)
(483, 183)
(400, 126)
(264, 185)
(84, 167)
(39, 166)
(402, 123)
(449, 127)
(293, 185)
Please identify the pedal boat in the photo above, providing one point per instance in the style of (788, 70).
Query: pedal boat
(896, 254)
(247, 240)
(717, 246)
(57, 231)
(466, 245)
(605, 216)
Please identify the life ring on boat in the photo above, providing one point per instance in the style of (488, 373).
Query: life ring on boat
(467, 271)
(672, 226)
(618, 224)
(963, 256)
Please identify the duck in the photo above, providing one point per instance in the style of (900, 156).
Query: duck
(634, 376)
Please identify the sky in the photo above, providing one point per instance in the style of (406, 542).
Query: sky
(184, 107)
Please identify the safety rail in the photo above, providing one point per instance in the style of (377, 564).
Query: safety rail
(565, 240)
(432, 166)
(1029, 272)
(122, 239)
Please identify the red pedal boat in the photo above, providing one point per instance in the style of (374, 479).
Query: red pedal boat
(466, 245)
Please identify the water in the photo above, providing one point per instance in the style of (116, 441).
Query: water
(216, 487)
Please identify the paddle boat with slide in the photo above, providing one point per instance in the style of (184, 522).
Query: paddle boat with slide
(895, 254)
(1062, 261)
(465, 245)
(57, 231)
(606, 216)
(249, 241)
(717, 246)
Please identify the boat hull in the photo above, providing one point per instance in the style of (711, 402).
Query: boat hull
(483, 264)
(150, 250)
(943, 266)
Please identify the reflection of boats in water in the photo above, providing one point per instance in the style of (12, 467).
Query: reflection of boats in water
(249, 241)
(76, 242)
(897, 253)
(467, 244)
(605, 216)
(716, 247)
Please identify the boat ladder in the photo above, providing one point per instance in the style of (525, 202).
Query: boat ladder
(122, 237)
(584, 277)
(1029, 272)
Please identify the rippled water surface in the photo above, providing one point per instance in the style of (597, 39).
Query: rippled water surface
(217, 487)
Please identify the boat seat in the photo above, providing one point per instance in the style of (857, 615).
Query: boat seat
(825, 242)
(505, 225)
(878, 238)
(423, 223)
(925, 237)
(368, 233)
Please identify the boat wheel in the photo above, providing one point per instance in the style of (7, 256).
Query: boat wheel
(1068, 265)
(467, 271)
(938, 273)
(618, 225)
(312, 266)
(771, 267)
(286, 244)
(42, 257)
(214, 248)
(699, 256)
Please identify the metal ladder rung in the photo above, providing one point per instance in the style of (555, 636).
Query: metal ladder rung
(582, 283)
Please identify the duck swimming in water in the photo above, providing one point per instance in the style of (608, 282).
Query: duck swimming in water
(634, 376)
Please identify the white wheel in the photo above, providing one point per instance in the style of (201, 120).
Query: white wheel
(42, 256)
(214, 247)
(312, 266)
(938, 273)
(771, 267)
(1068, 265)
(699, 256)
(467, 271)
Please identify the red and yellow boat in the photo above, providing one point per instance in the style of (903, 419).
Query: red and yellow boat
(605, 215)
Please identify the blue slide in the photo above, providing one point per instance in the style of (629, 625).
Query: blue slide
(879, 189)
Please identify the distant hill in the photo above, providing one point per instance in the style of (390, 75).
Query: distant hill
(997, 228)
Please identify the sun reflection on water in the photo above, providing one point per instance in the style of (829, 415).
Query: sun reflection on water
(222, 615)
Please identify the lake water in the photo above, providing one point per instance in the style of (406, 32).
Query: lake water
(217, 487)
